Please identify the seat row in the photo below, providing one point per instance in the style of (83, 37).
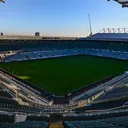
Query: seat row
(26, 124)
(115, 122)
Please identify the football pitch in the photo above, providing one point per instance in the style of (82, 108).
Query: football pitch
(65, 74)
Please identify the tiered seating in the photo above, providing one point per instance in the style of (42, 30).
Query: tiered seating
(107, 53)
(5, 94)
(44, 97)
(6, 103)
(88, 124)
(98, 87)
(27, 55)
(110, 36)
(116, 122)
(48, 53)
(66, 52)
(11, 105)
(22, 120)
(5, 100)
(77, 51)
(57, 53)
(39, 54)
(6, 117)
(102, 105)
(26, 124)
(13, 57)
(115, 93)
(37, 45)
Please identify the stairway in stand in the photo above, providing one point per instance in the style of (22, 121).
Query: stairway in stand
(56, 125)
(56, 121)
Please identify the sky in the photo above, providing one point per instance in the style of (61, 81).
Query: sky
(60, 17)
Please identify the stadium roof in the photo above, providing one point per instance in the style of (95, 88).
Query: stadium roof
(124, 3)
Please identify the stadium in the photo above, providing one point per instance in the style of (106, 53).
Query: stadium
(64, 82)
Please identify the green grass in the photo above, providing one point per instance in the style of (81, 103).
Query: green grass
(62, 75)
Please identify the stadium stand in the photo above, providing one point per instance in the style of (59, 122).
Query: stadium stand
(21, 120)
(113, 118)
(119, 34)
(100, 104)
(117, 122)
(27, 124)
(105, 46)
(110, 36)
(123, 55)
